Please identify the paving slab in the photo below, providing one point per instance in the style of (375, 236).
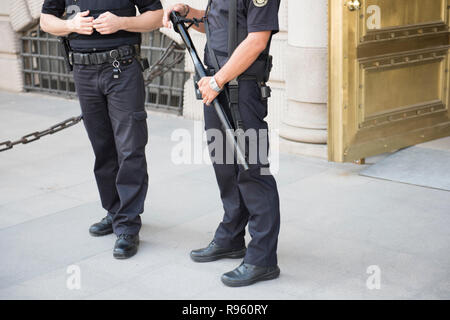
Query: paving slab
(412, 166)
(335, 223)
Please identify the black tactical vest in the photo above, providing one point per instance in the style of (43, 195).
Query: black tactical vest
(96, 41)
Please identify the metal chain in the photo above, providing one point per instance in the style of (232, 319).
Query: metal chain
(158, 69)
(7, 145)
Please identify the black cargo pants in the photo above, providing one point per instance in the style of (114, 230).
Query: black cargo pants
(248, 197)
(115, 120)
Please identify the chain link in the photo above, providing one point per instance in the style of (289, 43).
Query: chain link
(7, 145)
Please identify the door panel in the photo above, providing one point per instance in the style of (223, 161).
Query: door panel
(382, 86)
(388, 76)
(396, 13)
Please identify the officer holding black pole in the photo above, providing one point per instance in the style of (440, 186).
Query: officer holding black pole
(104, 38)
(239, 34)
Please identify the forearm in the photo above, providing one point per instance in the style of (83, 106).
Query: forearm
(197, 14)
(56, 26)
(243, 57)
(145, 22)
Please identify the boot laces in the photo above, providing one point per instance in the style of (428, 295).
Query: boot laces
(125, 236)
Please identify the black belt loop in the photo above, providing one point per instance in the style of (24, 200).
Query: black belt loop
(105, 55)
(93, 59)
(85, 59)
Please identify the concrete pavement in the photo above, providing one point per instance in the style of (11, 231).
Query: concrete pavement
(335, 223)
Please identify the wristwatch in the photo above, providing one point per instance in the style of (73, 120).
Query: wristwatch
(213, 85)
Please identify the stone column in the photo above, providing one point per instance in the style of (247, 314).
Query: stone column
(304, 125)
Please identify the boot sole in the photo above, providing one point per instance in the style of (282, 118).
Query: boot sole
(126, 255)
(265, 277)
(100, 234)
(229, 255)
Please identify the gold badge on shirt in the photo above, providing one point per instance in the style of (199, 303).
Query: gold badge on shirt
(260, 3)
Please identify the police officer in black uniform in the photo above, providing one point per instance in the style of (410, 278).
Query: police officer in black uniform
(249, 197)
(105, 38)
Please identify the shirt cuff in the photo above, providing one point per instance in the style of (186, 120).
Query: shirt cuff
(263, 27)
(53, 12)
(152, 7)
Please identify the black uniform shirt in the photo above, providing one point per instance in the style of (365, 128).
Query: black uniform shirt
(96, 41)
(252, 16)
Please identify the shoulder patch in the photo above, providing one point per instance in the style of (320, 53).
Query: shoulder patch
(260, 3)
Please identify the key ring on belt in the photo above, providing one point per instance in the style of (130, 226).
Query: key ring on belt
(114, 54)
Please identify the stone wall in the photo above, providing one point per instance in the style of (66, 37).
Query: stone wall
(10, 63)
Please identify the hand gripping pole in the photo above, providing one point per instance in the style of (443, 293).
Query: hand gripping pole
(180, 27)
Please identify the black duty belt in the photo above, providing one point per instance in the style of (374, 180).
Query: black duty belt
(95, 58)
(245, 77)
(263, 56)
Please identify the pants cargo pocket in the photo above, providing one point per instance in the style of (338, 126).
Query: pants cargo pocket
(140, 128)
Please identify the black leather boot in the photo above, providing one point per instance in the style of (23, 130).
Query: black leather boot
(247, 274)
(102, 228)
(213, 252)
(126, 246)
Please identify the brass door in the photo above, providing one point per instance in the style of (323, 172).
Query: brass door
(388, 75)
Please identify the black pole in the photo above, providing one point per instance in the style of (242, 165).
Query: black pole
(180, 27)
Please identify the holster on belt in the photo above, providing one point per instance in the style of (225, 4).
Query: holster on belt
(66, 52)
